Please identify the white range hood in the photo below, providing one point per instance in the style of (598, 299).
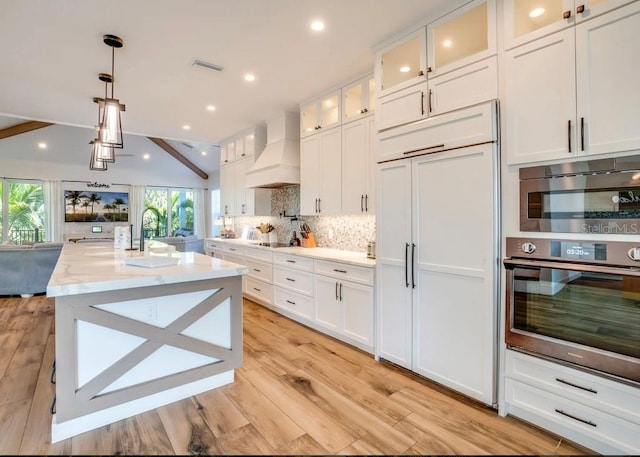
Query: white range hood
(279, 164)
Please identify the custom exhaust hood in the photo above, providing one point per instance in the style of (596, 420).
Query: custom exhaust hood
(279, 163)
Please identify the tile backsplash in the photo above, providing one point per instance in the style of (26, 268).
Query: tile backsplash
(349, 233)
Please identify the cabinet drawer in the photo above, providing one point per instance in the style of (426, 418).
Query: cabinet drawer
(259, 270)
(612, 397)
(583, 424)
(293, 261)
(438, 133)
(345, 271)
(234, 249)
(234, 258)
(259, 254)
(403, 107)
(293, 302)
(213, 245)
(298, 281)
(258, 289)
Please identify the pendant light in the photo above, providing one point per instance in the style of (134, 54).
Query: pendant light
(111, 123)
(102, 150)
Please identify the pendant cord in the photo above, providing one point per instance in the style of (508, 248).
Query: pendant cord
(113, 75)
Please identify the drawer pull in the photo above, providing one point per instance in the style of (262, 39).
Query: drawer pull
(577, 386)
(231, 249)
(291, 261)
(255, 269)
(339, 271)
(559, 411)
(292, 302)
(290, 279)
(256, 289)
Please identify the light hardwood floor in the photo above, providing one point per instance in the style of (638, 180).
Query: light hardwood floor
(298, 392)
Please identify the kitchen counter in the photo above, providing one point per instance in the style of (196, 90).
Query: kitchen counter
(129, 339)
(338, 255)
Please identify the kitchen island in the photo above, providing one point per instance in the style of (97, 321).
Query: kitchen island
(131, 338)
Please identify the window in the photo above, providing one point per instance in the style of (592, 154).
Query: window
(168, 212)
(21, 211)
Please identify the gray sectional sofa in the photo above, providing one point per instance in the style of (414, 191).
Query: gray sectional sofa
(25, 270)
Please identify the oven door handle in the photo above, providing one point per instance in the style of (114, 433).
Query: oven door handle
(513, 263)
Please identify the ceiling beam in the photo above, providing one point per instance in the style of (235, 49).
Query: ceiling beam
(24, 127)
(173, 152)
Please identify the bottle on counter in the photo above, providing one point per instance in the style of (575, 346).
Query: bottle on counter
(294, 241)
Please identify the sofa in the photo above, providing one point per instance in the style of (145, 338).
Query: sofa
(189, 243)
(26, 270)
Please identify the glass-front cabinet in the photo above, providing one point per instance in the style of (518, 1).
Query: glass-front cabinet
(403, 64)
(320, 113)
(527, 20)
(228, 152)
(358, 99)
(464, 36)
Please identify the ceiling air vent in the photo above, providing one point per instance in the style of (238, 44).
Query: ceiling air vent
(205, 64)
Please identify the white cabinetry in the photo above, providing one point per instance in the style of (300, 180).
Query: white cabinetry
(459, 69)
(358, 166)
(358, 99)
(320, 114)
(213, 248)
(344, 302)
(293, 281)
(596, 412)
(320, 173)
(525, 21)
(238, 156)
(257, 284)
(589, 105)
(437, 300)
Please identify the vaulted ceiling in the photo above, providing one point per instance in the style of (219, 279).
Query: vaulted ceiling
(53, 51)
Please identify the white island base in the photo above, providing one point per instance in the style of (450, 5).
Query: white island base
(128, 350)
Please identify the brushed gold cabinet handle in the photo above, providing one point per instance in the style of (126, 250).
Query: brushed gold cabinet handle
(566, 15)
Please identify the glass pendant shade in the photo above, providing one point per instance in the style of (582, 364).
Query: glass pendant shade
(111, 123)
(96, 163)
(103, 152)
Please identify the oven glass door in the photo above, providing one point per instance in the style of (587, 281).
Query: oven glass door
(615, 203)
(598, 310)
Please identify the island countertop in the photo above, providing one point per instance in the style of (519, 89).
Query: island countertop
(98, 267)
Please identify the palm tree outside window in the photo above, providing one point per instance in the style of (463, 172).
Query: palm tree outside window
(22, 215)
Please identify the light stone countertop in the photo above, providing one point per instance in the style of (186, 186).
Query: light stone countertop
(97, 267)
(336, 255)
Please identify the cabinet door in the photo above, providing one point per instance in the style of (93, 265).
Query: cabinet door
(393, 243)
(330, 111)
(540, 99)
(357, 303)
(525, 21)
(355, 166)
(310, 167)
(358, 99)
(239, 188)
(250, 144)
(227, 190)
(402, 107)
(465, 36)
(454, 303)
(607, 67)
(470, 85)
(402, 64)
(328, 304)
(309, 122)
(330, 201)
(240, 148)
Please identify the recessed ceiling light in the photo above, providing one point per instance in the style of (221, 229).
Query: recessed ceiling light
(249, 77)
(186, 127)
(145, 156)
(42, 145)
(536, 12)
(204, 153)
(447, 43)
(211, 108)
(405, 69)
(317, 26)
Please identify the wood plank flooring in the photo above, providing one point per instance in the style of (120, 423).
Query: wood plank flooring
(298, 393)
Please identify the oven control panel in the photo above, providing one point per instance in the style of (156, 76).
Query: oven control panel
(623, 253)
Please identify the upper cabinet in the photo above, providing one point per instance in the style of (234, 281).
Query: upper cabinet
(527, 20)
(320, 113)
(402, 64)
(358, 99)
(573, 93)
(247, 143)
(449, 64)
(464, 36)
